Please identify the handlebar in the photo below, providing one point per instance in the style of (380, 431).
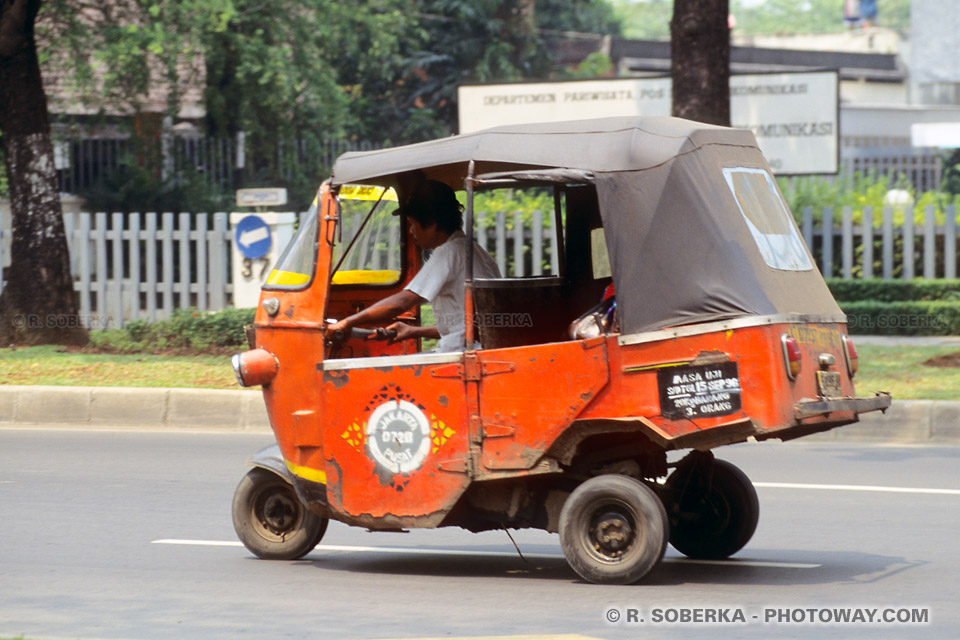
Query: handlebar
(379, 333)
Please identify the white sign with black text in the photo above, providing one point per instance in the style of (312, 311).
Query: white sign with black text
(794, 116)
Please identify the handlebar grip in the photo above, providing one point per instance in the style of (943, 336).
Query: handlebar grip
(377, 334)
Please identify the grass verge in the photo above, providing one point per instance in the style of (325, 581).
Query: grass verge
(53, 365)
(899, 370)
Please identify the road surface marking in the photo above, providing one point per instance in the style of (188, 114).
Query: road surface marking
(495, 554)
(552, 636)
(854, 487)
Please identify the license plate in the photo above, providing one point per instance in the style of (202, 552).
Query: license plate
(699, 391)
(828, 384)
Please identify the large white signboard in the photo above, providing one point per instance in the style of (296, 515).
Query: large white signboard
(794, 116)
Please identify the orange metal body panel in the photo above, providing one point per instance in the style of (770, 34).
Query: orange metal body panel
(768, 395)
(530, 394)
(362, 452)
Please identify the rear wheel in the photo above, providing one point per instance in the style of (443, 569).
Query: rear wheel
(271, 521)
(613, 530)
(714, 511)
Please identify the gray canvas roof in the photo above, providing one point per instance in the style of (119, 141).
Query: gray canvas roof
(604, 144)
(682, 249)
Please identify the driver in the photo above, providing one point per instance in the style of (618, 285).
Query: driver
(435, 218)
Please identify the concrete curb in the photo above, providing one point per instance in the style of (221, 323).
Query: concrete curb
(134, 408)
(906, 422)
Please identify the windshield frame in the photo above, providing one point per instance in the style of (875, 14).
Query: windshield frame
(401, 247)
(311, 217)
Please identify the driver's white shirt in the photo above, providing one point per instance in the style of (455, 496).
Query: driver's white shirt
(441, 281)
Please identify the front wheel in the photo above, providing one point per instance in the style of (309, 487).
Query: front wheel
(271, 521)
(613, 530)
(714, 511)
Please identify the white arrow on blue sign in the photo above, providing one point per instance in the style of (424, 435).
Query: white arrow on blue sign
(252, 236)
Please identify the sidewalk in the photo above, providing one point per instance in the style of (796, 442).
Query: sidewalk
(133, 408)
(907, 421)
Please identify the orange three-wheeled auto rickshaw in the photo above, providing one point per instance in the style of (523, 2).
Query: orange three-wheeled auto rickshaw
(560, 408)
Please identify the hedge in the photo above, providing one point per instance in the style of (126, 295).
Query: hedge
(903, 318)
(188, 331)
(893, 290)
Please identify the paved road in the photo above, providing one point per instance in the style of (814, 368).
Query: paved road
(82, 514)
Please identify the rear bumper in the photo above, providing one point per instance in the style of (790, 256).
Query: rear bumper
(825, 406)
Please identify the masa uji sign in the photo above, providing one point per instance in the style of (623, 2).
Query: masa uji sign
(795, 116)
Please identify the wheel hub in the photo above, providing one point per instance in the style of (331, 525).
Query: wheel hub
(612, 533)
(279, 513)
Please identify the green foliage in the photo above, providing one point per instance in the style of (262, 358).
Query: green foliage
(305, 69)
(595, 65)
(119, 56)
(894, 290)
(862, 190)
(645, 20)
(131, 188)
(811, 16)
(899, 307)
(650, 19)
(188, 331)
(951, 173)
(904, 318)
(584, 16)
(491, 41)
(526, 202)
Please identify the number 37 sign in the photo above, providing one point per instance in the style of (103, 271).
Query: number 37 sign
(257, 242)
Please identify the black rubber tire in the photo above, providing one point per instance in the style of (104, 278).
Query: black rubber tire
(597, 506)
(271, 521)
(716, 525)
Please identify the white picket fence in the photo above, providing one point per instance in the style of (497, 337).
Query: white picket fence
(147, 265)
(144, 266)
(929, 250)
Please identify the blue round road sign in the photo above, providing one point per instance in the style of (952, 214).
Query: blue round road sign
(252, 236)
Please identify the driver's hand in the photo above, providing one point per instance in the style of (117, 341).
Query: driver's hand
(404, 332)
(331, 329)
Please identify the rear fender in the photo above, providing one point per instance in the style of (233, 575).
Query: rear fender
(271, 459)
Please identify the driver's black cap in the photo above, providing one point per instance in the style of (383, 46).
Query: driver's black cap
(430, 199)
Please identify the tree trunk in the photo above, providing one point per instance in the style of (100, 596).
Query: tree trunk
(37, 305)
(700, 60)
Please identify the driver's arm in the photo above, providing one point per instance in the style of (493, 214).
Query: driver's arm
(379, 312)
(409, 332)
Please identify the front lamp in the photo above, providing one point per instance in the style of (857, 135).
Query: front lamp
(257, 366)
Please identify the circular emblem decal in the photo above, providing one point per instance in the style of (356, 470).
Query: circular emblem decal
(398, 435)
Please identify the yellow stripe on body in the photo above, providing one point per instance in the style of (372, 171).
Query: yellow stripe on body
(313, 475)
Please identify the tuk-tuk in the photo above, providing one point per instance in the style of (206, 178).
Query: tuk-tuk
(560, 409)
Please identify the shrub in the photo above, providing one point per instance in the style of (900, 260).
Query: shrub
(903, 318)
(894, 290)
(129, 187)
(188, 331)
